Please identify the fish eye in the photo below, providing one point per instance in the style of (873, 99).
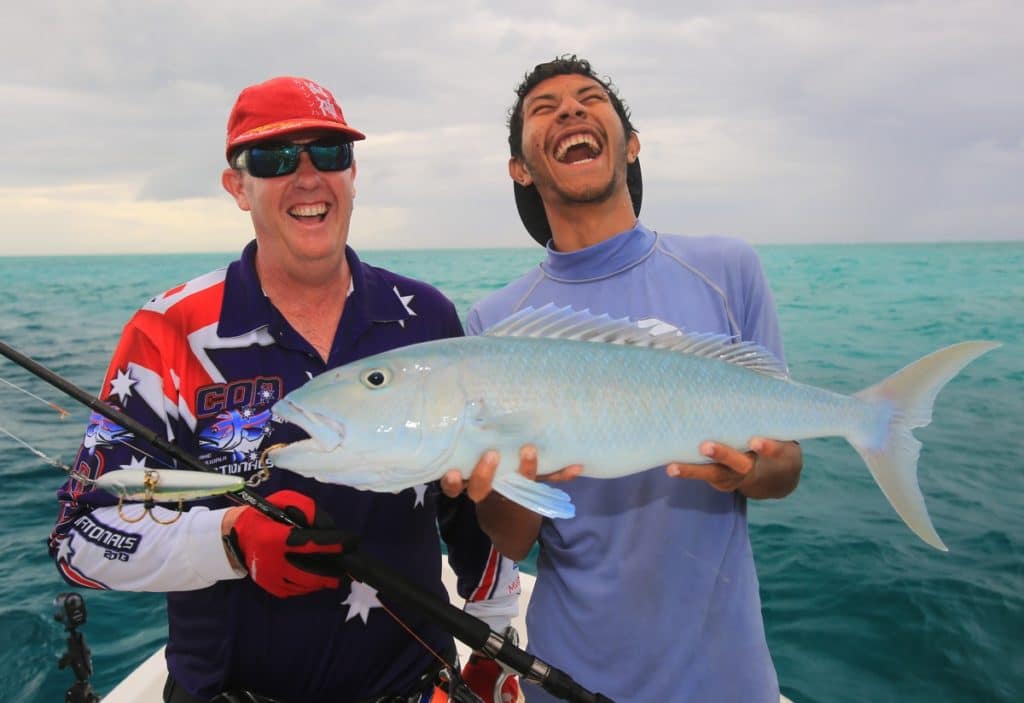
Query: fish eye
(375, 378)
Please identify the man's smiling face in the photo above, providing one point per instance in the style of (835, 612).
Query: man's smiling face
(302, 217)
(574, 146)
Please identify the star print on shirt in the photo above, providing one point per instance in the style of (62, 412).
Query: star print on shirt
(137, 462)
(64, 550)
(266, 395)
(421, 492)
(361, 599)
(121, 385)
(405, 300)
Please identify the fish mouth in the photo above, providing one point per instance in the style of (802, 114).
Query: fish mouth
(326, 433)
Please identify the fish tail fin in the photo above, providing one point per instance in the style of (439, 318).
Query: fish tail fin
(905, 400)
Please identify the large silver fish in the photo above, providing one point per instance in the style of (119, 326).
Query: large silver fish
(606, 393)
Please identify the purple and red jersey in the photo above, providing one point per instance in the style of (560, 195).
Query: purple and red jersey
(202, 365)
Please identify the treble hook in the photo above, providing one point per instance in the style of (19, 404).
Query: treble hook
(149, 482)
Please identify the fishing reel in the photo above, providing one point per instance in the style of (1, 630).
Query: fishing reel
(456, 687)
(69, 610)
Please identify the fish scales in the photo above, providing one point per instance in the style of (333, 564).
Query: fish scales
(615, 407)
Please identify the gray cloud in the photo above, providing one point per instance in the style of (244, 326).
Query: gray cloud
(797, 121)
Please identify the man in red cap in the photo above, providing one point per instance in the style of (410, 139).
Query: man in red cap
(202, 364)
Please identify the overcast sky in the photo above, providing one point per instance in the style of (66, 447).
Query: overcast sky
(796, 121)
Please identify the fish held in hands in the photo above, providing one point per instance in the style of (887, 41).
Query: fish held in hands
(609, 394)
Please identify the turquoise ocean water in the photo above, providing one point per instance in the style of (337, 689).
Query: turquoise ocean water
(856, 607)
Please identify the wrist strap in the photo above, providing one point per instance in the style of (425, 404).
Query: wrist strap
(234, 551)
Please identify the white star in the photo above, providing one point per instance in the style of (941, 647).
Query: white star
(121, 385)
(360, 601)
(421, 491)
(405, 300)
(64, 550)
(137, 462)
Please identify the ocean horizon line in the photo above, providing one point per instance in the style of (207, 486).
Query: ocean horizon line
(370, 250)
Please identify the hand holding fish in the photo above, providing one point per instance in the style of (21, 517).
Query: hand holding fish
(479, 484)
(512, 528)
(771, 469)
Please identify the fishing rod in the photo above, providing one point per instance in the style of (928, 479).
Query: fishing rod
(466, 628)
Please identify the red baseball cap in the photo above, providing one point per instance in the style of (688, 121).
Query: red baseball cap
(281, 106)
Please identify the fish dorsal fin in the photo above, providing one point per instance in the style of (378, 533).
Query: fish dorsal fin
(553, 322)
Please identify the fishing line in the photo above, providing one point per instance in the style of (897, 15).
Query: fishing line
(143, 452)
(63, 413)
(423, 643)
(49, 460)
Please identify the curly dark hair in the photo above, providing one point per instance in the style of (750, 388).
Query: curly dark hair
(565, 64)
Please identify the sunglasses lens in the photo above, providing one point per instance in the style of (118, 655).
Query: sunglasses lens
(269, 160)
(330, 156)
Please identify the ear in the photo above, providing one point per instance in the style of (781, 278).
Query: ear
(354, 170)
(632, 147)
(231, 179)
(517, 171)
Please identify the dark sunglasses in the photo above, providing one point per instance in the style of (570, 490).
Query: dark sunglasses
(272, 159)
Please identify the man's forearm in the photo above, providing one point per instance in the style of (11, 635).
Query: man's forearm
(512, 528)
(101, 548)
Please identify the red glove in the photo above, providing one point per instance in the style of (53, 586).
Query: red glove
(263, 544)
(489, 681)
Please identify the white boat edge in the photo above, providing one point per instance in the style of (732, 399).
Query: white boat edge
(146, 682)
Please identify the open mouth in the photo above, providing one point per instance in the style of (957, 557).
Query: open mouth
(315, 212)
(578, 148)
(326, 432)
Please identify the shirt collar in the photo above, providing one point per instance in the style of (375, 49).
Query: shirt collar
(606, 258)
(374, 292)
(371, 296)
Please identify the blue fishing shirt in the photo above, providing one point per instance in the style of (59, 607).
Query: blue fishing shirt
(650, 592)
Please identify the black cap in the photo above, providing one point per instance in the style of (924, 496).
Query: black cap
(531, 207)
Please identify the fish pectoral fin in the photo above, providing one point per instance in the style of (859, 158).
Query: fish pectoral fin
(541, 498)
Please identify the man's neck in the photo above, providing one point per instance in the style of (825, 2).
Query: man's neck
(312, 301)
(579, 225)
